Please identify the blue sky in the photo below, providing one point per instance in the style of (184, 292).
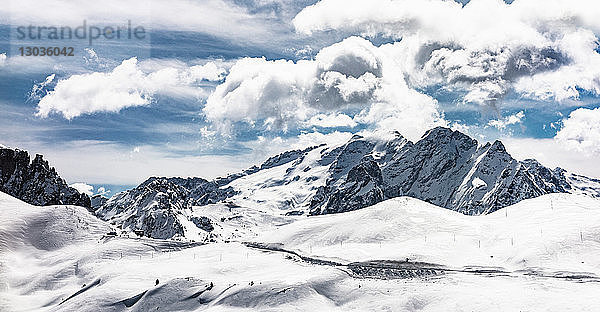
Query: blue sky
(223, 84)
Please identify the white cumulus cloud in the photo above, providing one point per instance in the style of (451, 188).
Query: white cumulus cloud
(544, 49)
(102, 191)
(581, 131)
(352, 75)
(83, 188)
(127, 85)
(501, 124)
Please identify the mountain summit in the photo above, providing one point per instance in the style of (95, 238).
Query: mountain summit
(35, 182)
(445, 168)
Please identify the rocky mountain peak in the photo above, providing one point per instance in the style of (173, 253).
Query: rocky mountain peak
(445, 167)
(498, 146)
(35, 182)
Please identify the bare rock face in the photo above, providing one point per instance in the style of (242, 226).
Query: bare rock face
(35, 182)
(362, 188)
(448, 169)
(152, 208)
(97, 201)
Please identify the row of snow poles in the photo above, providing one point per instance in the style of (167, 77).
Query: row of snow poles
(512, 243)
(169, 253)
(512, 240)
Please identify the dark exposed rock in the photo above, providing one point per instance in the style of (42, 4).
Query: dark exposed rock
(97, 201)
(152, 208)
(361, 189)
(203, 223)
(445, 168)
(35, 182)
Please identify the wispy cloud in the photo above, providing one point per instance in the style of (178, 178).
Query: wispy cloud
(216, 17)
(111, 163)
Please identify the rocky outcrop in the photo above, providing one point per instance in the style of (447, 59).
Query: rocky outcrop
(97, 201)
(35, 182)
(362, 188)
(153, 208)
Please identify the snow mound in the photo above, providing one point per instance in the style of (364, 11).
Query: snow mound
(556, 231)
(478, 183)
(45, 228)
(58, 258)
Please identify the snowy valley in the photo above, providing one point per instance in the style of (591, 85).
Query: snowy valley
(541, 253)
(442, 224)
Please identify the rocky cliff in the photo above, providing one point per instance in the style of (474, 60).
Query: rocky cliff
(35, 182)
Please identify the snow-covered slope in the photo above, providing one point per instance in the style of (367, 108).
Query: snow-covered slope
(445, 168)
(45, 228)
(59, 258)
(35, 181)
(555, 232)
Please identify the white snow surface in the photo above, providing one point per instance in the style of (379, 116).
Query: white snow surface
(556, 232)
(477, 183)
(285, 187)
(47, 254)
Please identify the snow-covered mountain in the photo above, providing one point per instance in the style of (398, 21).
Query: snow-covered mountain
(35, 182)
(445, 168)
(538, 255)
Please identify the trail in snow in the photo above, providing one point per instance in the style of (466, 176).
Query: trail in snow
(554, 269)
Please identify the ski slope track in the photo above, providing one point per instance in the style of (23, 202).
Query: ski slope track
(402, 254)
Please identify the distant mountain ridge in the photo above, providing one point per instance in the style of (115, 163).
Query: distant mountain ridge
(34, 181)
(445, 167)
